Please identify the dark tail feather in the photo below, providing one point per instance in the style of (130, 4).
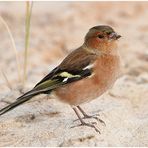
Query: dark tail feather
(27, 96)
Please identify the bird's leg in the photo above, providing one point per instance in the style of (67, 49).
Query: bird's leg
(89, 116)
(85, 114)
(83, 123)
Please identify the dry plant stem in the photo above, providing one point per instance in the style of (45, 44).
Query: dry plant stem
(27, 35)
(14, 47)
(6, 79)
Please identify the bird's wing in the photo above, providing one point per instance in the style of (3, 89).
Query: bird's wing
(73, 68)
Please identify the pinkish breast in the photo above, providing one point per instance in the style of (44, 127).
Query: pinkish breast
(106, 71)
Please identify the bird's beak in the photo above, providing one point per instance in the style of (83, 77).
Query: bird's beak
(114, 36)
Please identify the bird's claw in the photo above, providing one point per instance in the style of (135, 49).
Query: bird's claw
(94, 117)
(89, 125)
(101, 121)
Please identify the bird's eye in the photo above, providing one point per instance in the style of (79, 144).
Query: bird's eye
(100, 36)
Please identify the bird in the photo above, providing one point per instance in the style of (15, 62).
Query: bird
(84, 75)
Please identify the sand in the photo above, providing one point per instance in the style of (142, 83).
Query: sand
(56, 29)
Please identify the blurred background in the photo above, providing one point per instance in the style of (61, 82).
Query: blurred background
(56, 28)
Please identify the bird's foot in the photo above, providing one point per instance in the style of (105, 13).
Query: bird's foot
(86, 116)
(83, 123)
(92, 125)
(94, 117)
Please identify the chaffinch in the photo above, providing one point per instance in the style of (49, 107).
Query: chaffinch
(85, 74)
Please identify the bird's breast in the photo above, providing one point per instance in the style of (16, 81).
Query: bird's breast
(105, 73)
(106, 70)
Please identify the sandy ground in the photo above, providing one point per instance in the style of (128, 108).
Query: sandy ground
(56, 29)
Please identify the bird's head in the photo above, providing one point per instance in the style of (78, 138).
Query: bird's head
(102, 38)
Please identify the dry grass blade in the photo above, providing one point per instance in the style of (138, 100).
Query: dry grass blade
(27, 35)
(14, 47)
(6, 80)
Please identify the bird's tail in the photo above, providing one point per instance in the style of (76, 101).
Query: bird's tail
(27, 96)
